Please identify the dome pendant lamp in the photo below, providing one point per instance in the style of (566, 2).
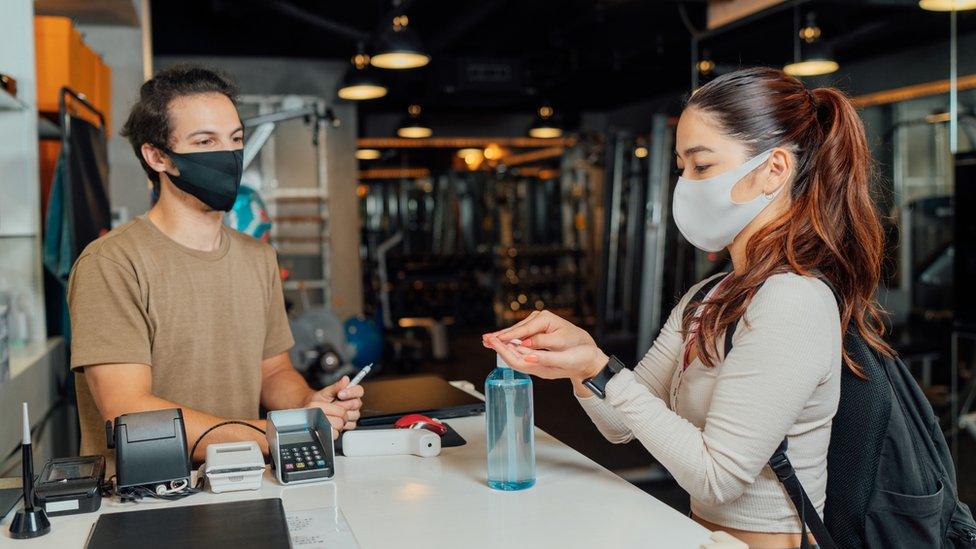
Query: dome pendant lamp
(359, 84)
(544, 126)
(814, 57)
(414, 127)
(399, 47)
(947, 5)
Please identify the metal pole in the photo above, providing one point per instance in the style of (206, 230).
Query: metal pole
(953, 84)
(953, 394)
(656, 226)
(613, 238)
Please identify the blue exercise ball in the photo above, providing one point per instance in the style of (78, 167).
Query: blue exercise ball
(365, 339)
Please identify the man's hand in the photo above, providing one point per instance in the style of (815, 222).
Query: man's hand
(341, 405)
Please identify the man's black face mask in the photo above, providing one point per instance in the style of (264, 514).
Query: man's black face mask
(213, 176)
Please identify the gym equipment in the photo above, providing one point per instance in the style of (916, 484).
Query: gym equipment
(365, 341)
(249, 214)
(321, 352)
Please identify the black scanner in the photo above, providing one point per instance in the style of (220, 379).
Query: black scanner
(150, 448)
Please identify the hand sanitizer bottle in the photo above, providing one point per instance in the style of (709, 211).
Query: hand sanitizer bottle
(511, 430)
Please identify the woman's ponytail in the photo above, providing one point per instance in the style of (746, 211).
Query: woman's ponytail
(845, 215)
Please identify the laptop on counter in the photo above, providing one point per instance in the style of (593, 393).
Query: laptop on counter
(386, 400)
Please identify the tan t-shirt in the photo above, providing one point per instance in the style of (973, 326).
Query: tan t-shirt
(203, 321)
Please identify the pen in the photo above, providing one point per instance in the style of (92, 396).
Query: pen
(359, 377)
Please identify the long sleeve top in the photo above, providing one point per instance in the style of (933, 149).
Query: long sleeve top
(714, 429)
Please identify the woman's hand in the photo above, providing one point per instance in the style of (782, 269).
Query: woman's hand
(544, 330)
(576, 363)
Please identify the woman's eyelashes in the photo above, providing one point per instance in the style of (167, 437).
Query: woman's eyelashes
(698, 169)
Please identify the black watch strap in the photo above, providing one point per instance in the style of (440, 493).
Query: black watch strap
(598, 383)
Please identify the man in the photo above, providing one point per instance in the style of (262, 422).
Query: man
(174, 309)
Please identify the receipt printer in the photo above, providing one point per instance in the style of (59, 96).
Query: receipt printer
(300, 443)
(150, 448)
(233, 466)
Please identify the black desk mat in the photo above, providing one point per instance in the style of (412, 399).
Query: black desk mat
(258, 524)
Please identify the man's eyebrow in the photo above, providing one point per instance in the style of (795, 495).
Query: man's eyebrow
(693, 150)
(212, 132)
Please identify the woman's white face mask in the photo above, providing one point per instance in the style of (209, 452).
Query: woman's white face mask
(705, 213)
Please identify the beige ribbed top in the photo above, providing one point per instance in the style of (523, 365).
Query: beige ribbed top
(714, 429)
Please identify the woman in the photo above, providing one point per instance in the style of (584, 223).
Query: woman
(778, 174)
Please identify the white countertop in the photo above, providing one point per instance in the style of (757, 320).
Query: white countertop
(407, 501)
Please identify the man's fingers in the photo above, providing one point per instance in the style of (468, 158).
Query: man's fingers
(348, 405)
(337, 422)
(352, 416)
(351, 392)
(349, 426)
(331, 409)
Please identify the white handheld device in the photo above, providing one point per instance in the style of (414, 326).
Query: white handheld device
(391, 442)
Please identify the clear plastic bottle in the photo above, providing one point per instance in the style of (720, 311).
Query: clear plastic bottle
(510, 429)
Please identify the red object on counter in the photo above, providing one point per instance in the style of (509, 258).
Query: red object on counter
(420, 421)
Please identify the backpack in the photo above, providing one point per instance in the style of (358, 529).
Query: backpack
(890, 476)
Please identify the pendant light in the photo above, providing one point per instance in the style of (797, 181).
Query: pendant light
(545, 126)
(367, 154)
(414, 127)
(947, 5)
(399, 47)
(359, 83)
(814, 57)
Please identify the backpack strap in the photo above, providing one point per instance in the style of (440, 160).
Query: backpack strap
(703, 291)
(780, 464)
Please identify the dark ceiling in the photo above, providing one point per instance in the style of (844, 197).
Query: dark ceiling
(580, 55)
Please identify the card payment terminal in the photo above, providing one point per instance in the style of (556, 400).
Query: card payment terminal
(301, 447)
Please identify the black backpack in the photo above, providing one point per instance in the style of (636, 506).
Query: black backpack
(890, 477)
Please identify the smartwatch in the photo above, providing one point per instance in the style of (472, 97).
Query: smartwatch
(598, 383)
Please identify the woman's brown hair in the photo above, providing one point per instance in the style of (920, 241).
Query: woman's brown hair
(831, 226)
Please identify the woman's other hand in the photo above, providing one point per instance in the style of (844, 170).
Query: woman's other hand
(543, 330)
(576, 363)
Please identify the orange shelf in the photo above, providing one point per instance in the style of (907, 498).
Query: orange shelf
(63, 59)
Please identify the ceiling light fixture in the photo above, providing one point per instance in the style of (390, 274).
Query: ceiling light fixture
(544, 126)
(414, 127)
(368, 154)
(705, 65)
(399, 47)
(947, 5)
(359, 83)
(814, 57)
(472, 157)
(493, 152)
(640, 152)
